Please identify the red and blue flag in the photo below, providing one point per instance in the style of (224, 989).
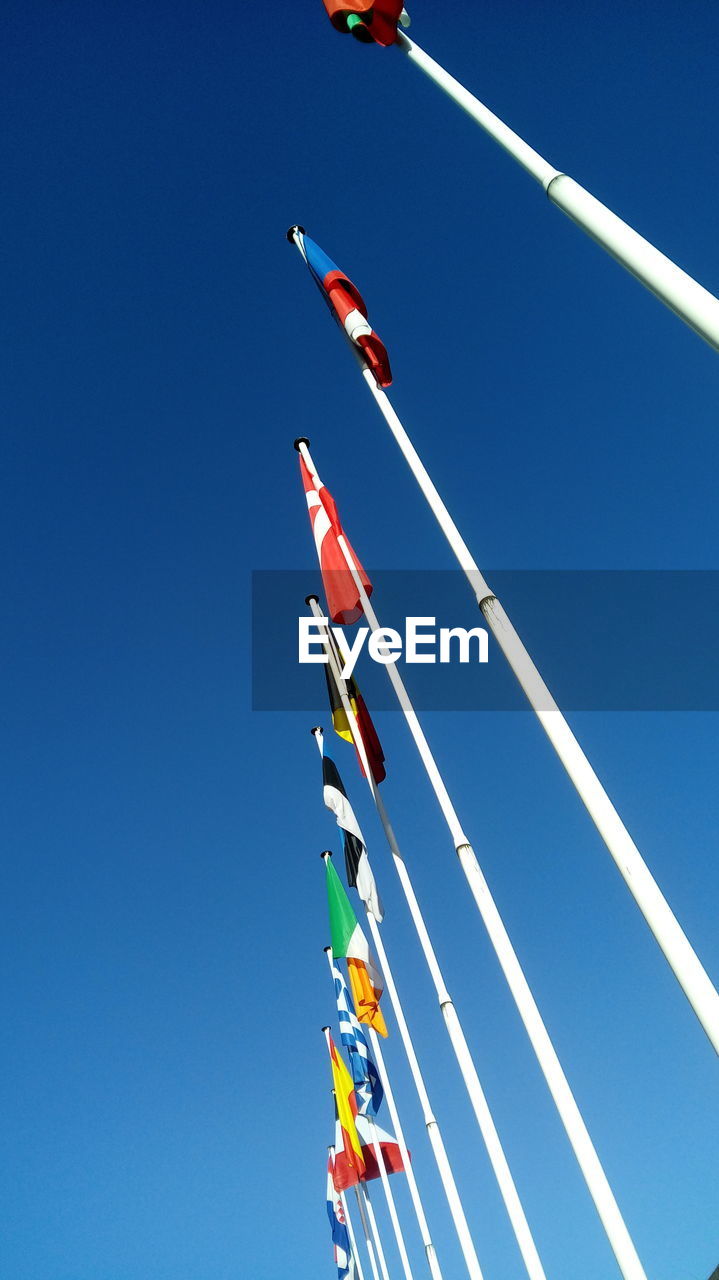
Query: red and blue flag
(347, 305)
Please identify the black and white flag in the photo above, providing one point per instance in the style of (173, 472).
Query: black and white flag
(359, 872)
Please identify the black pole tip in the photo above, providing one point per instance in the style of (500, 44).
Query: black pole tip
(326, 950)
(292, 230)
(309, 599)
(301, 440)
(317, 729)
(326, 1028)
(326, 854)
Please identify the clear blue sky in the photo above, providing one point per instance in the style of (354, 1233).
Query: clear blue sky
(163, 1085)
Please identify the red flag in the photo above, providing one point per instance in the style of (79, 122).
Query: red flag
(343, 599)
(372, 744)
(351, 311)
(388, 1145)
(367, 20)
(347, 305)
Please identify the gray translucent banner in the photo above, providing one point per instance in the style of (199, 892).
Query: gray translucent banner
(603, 640)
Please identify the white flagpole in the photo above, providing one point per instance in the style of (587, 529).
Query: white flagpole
(683, 960)
(350, 1228)
(388, 1193)
(577, 1132)
(359, 1270)
(674, 287)
(371, 1230)
(391, 1206)
(429, 1248)
(471, 1079)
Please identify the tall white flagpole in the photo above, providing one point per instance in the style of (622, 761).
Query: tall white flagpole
(429, 1249)
(350, 1227)
(683, 960)
(353, 1239)
(388, 1193)
(391, 1206)
(371, 1230)
(477, 1097)
(674, 287)
(577, 1132)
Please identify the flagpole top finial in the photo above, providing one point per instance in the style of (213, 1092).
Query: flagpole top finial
(327, 950)
(292, 230)
(301, 440)
(327, 853)
(309, 599)
(317, 729)
(326, 1028)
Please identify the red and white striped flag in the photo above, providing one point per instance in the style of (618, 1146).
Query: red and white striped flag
(343, 599)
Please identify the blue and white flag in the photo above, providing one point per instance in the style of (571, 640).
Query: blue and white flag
(338, 1226)
(368, 1090)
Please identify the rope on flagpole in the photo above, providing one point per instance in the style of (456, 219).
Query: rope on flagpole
(350, 1227)
(492, 1142)
(389, 1197)
(678, 951)
(674, 287)
(369, 1245)
(429, 1248)
(353, 1239)
(577, 1132)
(363, 1199)
(488, 1129)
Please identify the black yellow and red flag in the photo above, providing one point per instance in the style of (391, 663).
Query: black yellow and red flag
(365, 725)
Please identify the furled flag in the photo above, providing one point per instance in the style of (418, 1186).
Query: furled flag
(338, 1227)
(349, 942)
(349, 1161)
(346, 304)
(359, 871)
(368, 1089)
(391, 1154)
(366, 20)
(343, 597)
(365, 725)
